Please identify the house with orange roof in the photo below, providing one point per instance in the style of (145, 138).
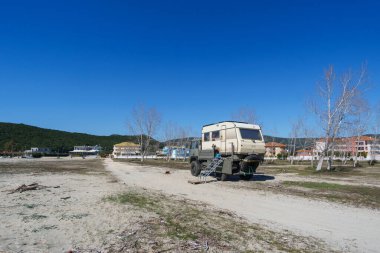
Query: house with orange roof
(274, 148)
(305, 152)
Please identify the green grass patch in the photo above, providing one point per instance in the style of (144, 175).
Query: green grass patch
(44, 227)
(175, 221)
(74, 216)
(317, 185)
(302, 170)
(30, 206)
(34, 217)
(134, 199)
(352, 194)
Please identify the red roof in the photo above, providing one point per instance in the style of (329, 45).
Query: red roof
(363, 138)
(274, 145)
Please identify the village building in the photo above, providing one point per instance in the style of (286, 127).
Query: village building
(125, 150)
(174, 152)
(351, 146)
(306, 152)
(86, 150)
(34, 151)
(272, 149)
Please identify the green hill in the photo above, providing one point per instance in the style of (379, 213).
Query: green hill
(18, 137)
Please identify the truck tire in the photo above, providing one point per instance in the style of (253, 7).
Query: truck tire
(195, 168)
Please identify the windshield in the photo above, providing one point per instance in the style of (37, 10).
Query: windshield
(251, 134)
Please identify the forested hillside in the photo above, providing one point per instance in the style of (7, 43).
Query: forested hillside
(18, 137)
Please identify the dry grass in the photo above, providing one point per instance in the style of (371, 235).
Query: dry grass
(90, 166)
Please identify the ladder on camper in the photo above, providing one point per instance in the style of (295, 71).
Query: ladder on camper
(210, 168)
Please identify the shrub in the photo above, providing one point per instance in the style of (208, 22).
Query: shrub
(372, 162)
(36, 155)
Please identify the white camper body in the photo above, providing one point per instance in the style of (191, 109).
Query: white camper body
(233, 138)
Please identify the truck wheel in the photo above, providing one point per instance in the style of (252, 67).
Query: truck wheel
(195, 168)
(223, 177)
(246, 177)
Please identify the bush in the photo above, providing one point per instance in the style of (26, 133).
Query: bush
(37, 155)
(372, 162)
(282, 156)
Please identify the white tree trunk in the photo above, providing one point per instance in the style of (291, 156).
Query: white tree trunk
(320, 163)
(356, 161)
(329, 163)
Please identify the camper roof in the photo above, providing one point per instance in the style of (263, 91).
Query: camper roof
(230, 124)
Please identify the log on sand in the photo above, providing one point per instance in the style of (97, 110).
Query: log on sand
(30, 187)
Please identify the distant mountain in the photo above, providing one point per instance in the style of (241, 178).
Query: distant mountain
(18, 137)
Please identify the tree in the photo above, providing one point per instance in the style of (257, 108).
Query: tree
(170, 135)
(375, 145)
(245, 114)
(334, 105)
(176, 135)
(359, 126)
(144, 122)
(308, 141)
(294, 134)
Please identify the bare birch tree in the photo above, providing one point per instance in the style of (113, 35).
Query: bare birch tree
(245, 114)
(170, 136)
(176, 136)
(334, 106)
(359, 126)
(144, 123)
(294, 135)
(308, 141)
(375, 145)
(184, 137)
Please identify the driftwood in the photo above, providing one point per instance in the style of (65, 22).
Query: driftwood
(197, 181)
(30, 187)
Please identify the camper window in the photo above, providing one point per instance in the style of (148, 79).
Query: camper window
(251, 134)
(206, 137)
(215, 135)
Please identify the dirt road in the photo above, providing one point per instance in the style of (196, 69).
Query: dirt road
(343, 228)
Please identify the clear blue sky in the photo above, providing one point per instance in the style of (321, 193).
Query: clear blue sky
(81, 65)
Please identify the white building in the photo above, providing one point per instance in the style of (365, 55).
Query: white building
(126, 150)
(175, 152)
(86, 150)
(35, 150)
(374, 151)
(363, 146)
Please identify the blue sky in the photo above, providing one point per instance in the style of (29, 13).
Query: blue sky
(81, 65)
